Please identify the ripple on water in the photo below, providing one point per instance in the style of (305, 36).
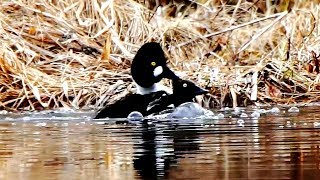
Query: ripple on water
(227, 145)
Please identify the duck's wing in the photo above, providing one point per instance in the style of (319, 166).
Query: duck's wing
(159, 104)
(131, 102)
(122, 108)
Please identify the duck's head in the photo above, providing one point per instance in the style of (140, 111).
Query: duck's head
(185, 91)
(149, 65)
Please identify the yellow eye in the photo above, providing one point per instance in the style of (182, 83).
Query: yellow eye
(153, 63)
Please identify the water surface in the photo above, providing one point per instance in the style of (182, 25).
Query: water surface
(71, 145)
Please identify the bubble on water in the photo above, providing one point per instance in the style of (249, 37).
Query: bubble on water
(220, 115)
(236, 110)
(255, 114)
(215, 117)
(100, 122)
(262, 111)
(8, 119)
(289, 124)
(293, 109)
(240, 122)
(26, 118)
(65, 110)
(226, 109)
(244, 115)
(135, 117)
(87, 117)
(275, 110)
(208, 113)
(41, 124)
(316, 124)
(4, 112)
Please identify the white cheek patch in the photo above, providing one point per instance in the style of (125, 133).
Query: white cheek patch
(157, 71)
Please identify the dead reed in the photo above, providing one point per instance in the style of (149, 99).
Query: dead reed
(77, 54)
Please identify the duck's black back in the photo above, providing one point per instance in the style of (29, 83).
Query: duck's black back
(132, 102)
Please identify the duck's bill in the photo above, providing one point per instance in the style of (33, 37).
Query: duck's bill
(165, 72)
(200, 91)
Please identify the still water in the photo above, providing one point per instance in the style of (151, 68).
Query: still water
(71, 145)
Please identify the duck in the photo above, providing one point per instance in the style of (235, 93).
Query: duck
(149, 67)
(132, 102)
(159, 104)
(184, 91)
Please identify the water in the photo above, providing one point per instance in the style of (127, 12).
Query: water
(232, 145)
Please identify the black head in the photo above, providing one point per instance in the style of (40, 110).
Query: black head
(149, 65)
(185, 91)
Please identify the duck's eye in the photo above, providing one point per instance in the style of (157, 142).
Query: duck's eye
(153, 63)
(184, 85)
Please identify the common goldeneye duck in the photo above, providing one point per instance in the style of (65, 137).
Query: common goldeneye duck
(128, 104)
(183, 93)
(148, 67)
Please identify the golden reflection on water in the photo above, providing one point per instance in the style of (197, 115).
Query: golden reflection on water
(272, 147)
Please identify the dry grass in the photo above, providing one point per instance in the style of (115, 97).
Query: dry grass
(77, 53)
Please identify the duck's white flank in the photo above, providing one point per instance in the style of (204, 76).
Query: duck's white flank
(154, 88)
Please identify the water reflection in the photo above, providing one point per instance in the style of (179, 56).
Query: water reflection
(162, 146)
(51, 146)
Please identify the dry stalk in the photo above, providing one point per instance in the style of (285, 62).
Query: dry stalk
(76, 54)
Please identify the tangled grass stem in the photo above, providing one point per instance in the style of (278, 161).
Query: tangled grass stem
(76, 54)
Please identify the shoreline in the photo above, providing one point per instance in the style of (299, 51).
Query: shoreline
(78, 55)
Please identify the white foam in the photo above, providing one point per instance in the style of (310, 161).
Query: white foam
(293, 109)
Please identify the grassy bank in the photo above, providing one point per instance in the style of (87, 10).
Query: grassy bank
(77, 53)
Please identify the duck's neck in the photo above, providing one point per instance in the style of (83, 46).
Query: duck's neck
(154, 88)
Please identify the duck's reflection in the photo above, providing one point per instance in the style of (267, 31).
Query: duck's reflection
(161, 145)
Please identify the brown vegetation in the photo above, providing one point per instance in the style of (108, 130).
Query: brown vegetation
(77, 53)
